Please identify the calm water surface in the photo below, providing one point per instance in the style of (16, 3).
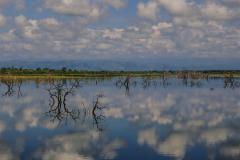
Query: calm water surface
(162, 119)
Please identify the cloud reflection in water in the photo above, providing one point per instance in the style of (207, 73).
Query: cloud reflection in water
(169, 120)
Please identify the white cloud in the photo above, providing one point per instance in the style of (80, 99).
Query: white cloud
(113, 34)
(191, 29)
(177, 7)
(214, 136)
(148, 137)
(71, 7)
(216, 11)
(174, 145)
(158, 28)
(110, 150)
(188, 10)
(63, 156)
(30, 118)
(79, 146)
(149, 10)
(37, 29)
(20, 20)
(8, 37)
(50, 23)
(113, 112)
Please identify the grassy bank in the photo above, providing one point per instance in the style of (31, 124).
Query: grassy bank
(68, 73)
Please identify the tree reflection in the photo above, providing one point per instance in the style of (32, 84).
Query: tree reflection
(12, 87)
(96, 112)
(9, 84)
(148, 82)
(59, 108)
(230, 82)
(126, 83)
(19, 86)
(191, 79)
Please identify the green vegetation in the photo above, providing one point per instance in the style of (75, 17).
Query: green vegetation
(69, 73)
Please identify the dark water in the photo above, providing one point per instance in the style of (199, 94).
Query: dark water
(121, 119)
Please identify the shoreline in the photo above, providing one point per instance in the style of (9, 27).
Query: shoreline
(58, 74)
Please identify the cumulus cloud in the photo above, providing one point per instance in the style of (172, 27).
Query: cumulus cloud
(148, 137)
(71, 7)
(109, 151)
(27, 28)
(89, 9)
(177, 7)
(149, 10)
(195, 118)
(62, 156)
(30, 118)
(175, 145)
(113, 34)
(215, 135)
(217, 12)
(50, 23)
(182, 8)
(79, 29)
(79, 146)
(20, 20)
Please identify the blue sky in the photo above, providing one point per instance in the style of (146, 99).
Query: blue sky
(110, 29)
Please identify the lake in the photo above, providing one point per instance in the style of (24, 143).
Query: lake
(120, 119)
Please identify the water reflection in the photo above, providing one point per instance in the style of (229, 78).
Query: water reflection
(139, 118)
(81, 145)
(231, 82)
(97, 112)
(126, 83)
(12, 86)
(59, 107)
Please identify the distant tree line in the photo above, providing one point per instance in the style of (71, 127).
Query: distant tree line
(13, 70)
(64, 70)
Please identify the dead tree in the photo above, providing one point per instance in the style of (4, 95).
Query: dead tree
(126, 83)
(230, 82)
(12, 87)
(98, 117)
(59, 108)
(19, 86)
(146, 82)
(9, 84)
